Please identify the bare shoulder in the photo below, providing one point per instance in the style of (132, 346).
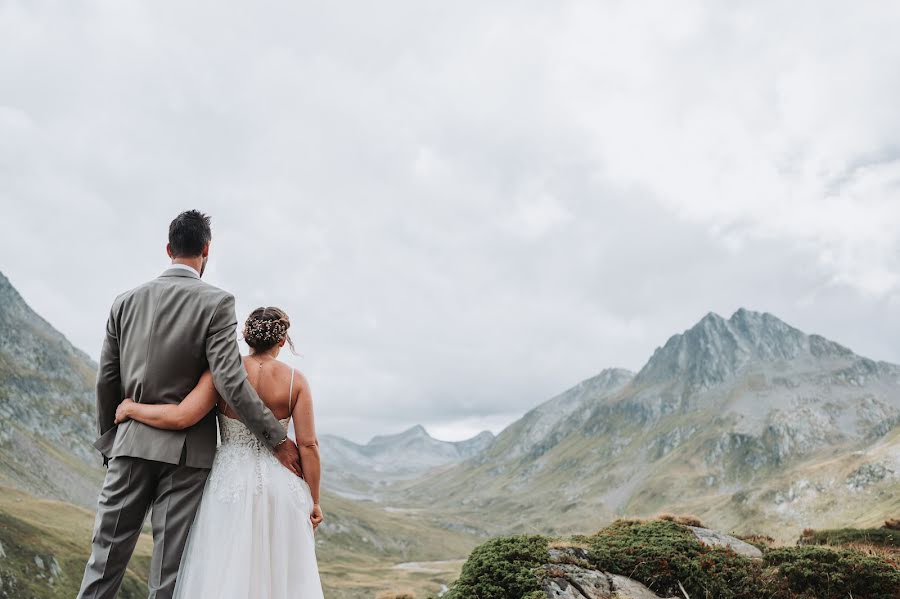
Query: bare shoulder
(279, 372)
(301, 380)
(301, 388)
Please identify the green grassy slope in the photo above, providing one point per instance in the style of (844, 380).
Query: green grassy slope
(45, 546)
(363, 549)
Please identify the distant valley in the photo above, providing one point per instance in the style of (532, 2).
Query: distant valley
(361, 471)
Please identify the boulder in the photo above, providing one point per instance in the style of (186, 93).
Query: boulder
(568, 581)
(711, 538)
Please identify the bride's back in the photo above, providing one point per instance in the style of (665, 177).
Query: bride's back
(273, 382)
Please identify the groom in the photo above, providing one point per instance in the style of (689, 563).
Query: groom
(160, 337)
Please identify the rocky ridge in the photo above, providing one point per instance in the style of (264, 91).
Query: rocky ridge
(742, 420)
(46, 406)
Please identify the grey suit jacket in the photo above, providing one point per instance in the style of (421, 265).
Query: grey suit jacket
(160, 338)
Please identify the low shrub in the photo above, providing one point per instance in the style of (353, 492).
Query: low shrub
(892, 523)
(845, 536)
(661, 554)
(658, 553)
(503, 568)
(761, 542)
(826, 573)
(665, 555)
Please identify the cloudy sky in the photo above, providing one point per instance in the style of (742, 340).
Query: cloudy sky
(466, 207)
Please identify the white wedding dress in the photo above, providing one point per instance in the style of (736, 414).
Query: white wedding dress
(252, 537)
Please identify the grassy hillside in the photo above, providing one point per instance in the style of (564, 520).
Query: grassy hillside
(609, 476)
(45, 546)
(363, 549)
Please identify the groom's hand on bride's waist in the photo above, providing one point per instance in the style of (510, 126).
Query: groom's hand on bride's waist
(289, 456)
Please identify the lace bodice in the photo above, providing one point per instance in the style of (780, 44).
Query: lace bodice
(241, 452)
(234, 433)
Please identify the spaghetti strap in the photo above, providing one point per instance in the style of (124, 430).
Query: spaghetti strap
(291, 395)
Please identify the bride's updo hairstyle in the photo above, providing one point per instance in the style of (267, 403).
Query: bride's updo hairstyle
(267, 327)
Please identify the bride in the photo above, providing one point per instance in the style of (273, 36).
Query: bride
(253, 535)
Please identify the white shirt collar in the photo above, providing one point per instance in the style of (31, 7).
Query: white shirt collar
(186, 267)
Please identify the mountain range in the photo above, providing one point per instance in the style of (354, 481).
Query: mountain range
(361, 471)
(745, 421)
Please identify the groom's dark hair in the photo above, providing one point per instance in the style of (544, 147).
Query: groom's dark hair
(188, 233)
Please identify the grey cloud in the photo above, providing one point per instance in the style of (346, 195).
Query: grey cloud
(464, 208)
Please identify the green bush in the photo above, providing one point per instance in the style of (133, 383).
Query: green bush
(884, 537)
(658, 553)
(661, 554)
(835, 573)
(503, 568)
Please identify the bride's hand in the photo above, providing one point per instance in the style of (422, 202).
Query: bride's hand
(316, 516)
(123, 412)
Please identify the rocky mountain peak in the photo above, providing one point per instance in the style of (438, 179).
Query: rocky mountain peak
(609, 378)
(412, 433)
(767, 336)
(11, 303)
(714, 349)
(30, 338)
(475, 445)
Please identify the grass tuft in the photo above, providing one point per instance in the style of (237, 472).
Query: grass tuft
(685, 519)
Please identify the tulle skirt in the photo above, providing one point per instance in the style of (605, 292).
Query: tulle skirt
(251, 538)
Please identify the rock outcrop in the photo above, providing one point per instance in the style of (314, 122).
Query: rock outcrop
(570, 577)
(574, 582)
(711, 538)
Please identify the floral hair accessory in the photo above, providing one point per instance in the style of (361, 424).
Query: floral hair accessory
(264, 330)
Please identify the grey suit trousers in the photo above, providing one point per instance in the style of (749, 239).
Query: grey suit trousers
(132, 487)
